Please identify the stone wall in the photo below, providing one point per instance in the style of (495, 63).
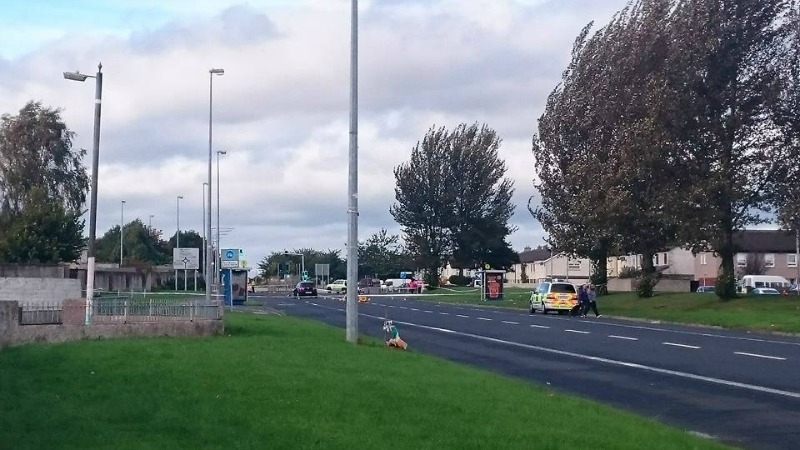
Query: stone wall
(664, 285)
(39, 290)
(73, 327)
(25, 271)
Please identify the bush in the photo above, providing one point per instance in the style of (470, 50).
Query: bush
(459, 280)
(645, 284)
(726, 286)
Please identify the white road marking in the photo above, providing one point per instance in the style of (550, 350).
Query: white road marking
(676, 373)
(484, 318)
(461, 315)
(623, 337)
(413, 309)
(681, 345)
(429, 312)
(576, 331)
(761, 356)
(539, 326)
(511, 322)
(403, 307)
(444, 313)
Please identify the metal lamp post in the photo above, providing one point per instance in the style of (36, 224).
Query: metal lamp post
(178, 234)
(218, 261)
(351, 315)
(150, 222)
(205, 275)
(211, 73)
(121, 227)
(98, 96)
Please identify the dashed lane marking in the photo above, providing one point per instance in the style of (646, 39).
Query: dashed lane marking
(681, 345)
(627, 338)
(756, 355)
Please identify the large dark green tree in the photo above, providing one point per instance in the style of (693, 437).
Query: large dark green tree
(727, 67)
(453, 202)
(43, 232)
(43, 187)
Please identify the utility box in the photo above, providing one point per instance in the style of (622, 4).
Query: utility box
(233, 276)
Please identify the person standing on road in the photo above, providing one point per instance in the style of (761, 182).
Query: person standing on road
(583, 300)
(591, 296)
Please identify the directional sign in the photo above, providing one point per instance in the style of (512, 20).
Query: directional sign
(186, 258)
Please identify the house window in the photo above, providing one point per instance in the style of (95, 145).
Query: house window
(769, 260)
(791, 260)
(741, 259)
(656, 259)
(703, 261)
(574, 264)
(665, 259)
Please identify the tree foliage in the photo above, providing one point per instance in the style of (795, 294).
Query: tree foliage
(453, 202)
(268, 266)
(42, 188)
(670, 125)
(382, 256)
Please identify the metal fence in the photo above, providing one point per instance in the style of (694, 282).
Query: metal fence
(132, 309)
(40, 313)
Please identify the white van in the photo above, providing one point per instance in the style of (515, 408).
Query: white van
(750, 282)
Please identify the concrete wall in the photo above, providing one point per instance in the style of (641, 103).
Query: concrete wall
(664, 285)
(39, 290)
(73, 327)
(16, 270)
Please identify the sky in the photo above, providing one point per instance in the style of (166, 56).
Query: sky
(281, 110)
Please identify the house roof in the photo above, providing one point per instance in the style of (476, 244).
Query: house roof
(764, 241)
(535, 255)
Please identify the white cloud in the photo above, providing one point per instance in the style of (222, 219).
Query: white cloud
(281, 109)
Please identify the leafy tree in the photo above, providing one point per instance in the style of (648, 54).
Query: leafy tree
(453, 202)
(36, 153)
(43, 232)
(727, 70)
(42, 188)
(382, 256)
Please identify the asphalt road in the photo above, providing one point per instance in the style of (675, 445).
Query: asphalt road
(738, 387)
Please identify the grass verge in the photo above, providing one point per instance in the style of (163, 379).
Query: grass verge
(282, 383)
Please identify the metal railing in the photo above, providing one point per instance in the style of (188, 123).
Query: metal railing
(39, 313)
(133, 309)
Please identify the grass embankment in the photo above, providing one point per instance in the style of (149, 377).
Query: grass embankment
(758, 313)
(282, 383)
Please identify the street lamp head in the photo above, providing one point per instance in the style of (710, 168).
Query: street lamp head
(222, 152)
(217, 71)
(122, 201)
(180, 197)
(76, 76)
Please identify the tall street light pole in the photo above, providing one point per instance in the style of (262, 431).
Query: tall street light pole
(219, 248)
(352, 185)
(205, 275)
(121, 228)
(98, 96)
(211, 73)
(150, 222)
(178, 235)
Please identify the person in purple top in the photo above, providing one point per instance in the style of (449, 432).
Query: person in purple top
(583, 299)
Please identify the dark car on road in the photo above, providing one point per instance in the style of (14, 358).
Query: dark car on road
(304, 288)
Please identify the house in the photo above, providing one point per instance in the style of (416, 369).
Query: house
(770, 252)
(541, 263)
(675, 262)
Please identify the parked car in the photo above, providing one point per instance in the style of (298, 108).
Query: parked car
(369, 282)
(766, 291)
(305, 288)
(708, 289)
(561, 297)
(337, 286)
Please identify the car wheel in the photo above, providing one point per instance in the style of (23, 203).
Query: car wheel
(532, 309)
(544, 309)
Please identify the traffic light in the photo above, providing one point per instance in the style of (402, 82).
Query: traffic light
(305, 275)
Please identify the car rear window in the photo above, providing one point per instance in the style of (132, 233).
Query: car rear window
(562, 288)
(307, 284)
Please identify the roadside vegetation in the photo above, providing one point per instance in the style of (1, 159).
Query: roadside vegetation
(747, 312)
(280, 382)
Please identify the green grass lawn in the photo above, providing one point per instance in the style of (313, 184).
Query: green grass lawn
(761, 313)
(282, 383)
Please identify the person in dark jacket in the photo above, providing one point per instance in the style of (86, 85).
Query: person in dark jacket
(583, 299)
(591, 296)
